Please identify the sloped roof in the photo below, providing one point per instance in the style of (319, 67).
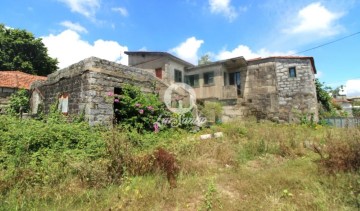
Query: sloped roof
(288, 57)
(17, 79)
(236, 61)
(160, 53)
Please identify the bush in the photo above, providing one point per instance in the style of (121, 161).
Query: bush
(136, 109)
(342, 153)
(36, 153)
(19, 102)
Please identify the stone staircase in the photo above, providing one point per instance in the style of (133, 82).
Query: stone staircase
(238, 110)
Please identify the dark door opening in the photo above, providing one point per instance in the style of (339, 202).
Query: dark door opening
(235, 79)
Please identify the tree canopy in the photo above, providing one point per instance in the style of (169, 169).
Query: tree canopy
(20, 50)
(204, 60)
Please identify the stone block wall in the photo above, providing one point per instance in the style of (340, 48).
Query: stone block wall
(260, 94)
(75, 87)
(297, 95)
(272, 94)
(88, 83)
(5, 93)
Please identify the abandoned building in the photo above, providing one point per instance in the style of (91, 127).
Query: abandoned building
(83, 87)
(11, 81)
(275, 88)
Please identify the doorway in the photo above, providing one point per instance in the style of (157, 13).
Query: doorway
(235, 79)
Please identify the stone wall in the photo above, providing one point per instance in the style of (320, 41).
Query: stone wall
(260, 94)
(272, 94)
(88, 83)
(5, 93)
(297, 95)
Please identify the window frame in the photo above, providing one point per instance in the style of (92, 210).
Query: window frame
(292, 72)
(176, 76)
(207, 79)
(190, 80)
(158, 73)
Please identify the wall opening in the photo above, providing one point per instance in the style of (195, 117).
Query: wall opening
(64, 103)
(118, 91)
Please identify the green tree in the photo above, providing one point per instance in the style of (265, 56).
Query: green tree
(20, 50)
(204, 60)
(323, 95)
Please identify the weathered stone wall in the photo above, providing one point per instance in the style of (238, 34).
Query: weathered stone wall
(271, 93)
(50, 91)
(88, 83)
(260, 94)
(5, 93)
(297, 95)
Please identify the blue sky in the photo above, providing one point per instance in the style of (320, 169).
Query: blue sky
(76, 29)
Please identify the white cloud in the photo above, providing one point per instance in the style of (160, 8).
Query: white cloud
(87, 8)
(319, 74)
(352, 88)
(247, 53)
(223, 7)
(188, 50)
(316, 19)
(121, 10)
(74, 26)
(69, 48)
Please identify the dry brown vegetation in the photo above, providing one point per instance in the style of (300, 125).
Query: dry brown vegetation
(255, 166)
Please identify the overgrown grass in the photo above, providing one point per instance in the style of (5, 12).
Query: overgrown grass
(255, 166)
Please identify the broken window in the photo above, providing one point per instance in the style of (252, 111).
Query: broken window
(209, 78)
(64, 103)
(292, 72)
(192, 80)
(158, 73)
(178, 76)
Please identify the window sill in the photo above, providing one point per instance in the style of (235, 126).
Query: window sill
(208, 85)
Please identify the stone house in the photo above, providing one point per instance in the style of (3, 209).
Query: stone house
(275, 88)
(278, 88)
(11, 81)
(83, 88)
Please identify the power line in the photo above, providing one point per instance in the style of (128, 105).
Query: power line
(356, 33)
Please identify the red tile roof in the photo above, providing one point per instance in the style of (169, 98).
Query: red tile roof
(17, 79)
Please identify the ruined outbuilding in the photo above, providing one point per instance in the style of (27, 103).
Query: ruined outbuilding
(83, 88)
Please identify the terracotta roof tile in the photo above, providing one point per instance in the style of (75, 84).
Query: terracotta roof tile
(17, 79)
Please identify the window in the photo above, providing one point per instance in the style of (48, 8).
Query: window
(192, 80)
(64, 103)
(292, 72)
(209, 78)
(178, 76)
(158, 73)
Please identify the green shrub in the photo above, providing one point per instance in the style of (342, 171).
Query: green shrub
(36, 153)
(19, 102)
(136, 109)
